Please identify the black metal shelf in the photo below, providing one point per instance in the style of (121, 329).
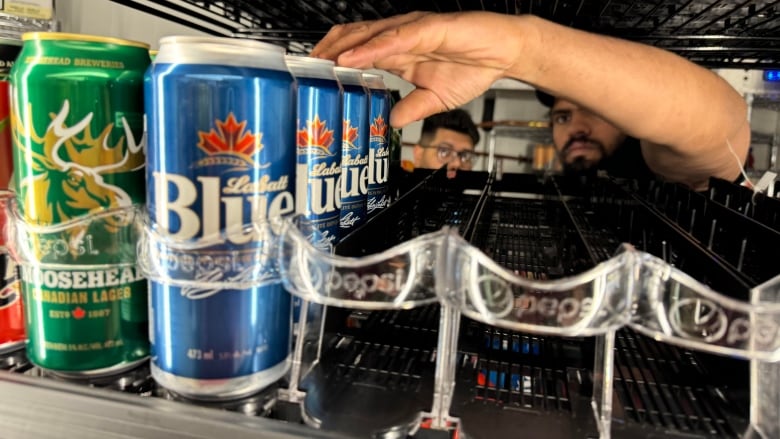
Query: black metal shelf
(714, 33)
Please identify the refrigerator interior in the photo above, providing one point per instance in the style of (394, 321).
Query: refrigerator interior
(377, 372)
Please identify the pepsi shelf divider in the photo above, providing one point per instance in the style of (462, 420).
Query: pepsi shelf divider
(558, 228)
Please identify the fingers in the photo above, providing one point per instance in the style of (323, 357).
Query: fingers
(344, 37)
(339, 38)
(422, 37)
(417, 105)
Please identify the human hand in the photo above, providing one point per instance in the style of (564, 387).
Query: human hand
(450, 58)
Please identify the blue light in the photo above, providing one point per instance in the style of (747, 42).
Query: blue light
(772, 75)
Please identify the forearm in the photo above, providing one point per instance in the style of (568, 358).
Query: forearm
(684, 114)
(649, 93)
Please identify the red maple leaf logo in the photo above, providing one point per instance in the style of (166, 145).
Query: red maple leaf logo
(378, 128)
(315, 135)
(231, 138)
(350, 133)
(78, 313)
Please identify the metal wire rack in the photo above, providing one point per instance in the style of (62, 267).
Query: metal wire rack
(715, 33)
(376, 369)
(13, 26)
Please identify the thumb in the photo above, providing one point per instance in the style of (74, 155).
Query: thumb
(417, 105)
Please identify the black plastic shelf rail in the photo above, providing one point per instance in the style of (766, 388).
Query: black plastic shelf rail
(550, 228)
(376, 372)
(758, 206)
(714, 33)
(509, 382)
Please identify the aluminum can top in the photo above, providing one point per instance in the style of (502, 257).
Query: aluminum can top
(63, 36)
(350, 76)
(220, 51)
(374, 81)
(306, 67)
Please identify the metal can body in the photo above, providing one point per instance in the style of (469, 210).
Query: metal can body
(12, 334)
(9, 49)
(225, 162)
(354, 158)
(318, 130)
(379, 148)
(77, 129)
(11, 314)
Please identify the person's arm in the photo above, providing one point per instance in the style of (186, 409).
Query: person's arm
(683, 114)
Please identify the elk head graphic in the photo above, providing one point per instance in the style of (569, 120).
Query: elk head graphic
(70, 176)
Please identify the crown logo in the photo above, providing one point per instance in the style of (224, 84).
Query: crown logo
(232, 138)
(315, 138)
(378, 128)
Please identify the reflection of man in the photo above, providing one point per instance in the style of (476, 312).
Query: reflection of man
(447, 139)
(586, 142)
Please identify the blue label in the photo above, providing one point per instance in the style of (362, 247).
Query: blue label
(318, 173)
(379, 152)
(218, 158)
(232, 334)
(354, 158)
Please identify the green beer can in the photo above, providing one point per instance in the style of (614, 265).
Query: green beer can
(79, 156)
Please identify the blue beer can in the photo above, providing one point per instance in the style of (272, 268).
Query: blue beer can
(379, 146)
(354, 149)
(220, 125)
(318, 134)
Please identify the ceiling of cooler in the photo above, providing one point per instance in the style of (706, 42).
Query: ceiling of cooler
(714, 33)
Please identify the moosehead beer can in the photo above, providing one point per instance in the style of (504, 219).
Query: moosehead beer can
(318, 130)
(11, 314)
(354, 149)
(226, 162)
(379, 148)
(77, 129)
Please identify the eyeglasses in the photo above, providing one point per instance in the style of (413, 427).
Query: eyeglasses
(446, 153)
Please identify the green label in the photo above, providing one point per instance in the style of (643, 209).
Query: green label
(85, 320)
(69, 171)
(77, 128)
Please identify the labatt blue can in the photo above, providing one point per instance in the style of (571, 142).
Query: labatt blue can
(220, 130)
(379, 146)
(354, 148)
(318, 146)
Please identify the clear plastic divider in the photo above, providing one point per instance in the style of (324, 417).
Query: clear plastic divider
(217, 262)
(632, 289)
(675, 308)
(100, 239)
(401, 277)
(765, 376)
(587, 304)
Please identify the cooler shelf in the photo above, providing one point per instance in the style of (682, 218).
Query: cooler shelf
(714, 33)
(548, 245)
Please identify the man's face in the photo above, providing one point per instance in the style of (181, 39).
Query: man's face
(449, 148)
(581, 138)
